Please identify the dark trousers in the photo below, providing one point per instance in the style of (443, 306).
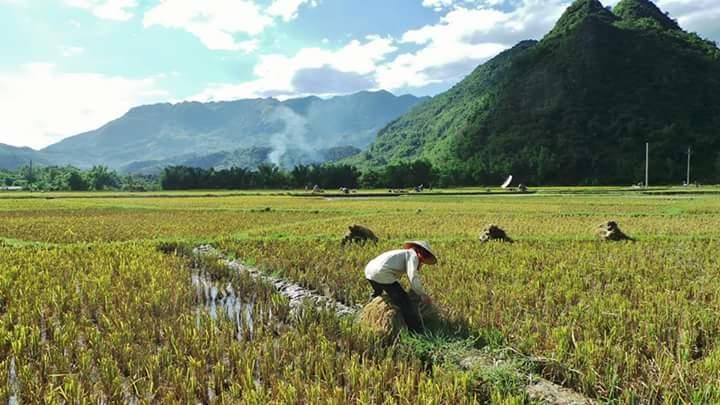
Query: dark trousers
(400, 298)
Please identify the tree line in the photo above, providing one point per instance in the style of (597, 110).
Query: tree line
(268, 176)
(327, 176)
(69, 178)
(265, 176)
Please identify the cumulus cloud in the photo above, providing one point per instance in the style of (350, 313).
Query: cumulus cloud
(446, 52)
(465, 37)
(288, 9)
(216, 23)
(41, 104)
(118, 10)
(437, 5)
(699, 16)
(282, 76)
(440, 5)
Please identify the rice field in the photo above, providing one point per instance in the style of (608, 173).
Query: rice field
(94, 307)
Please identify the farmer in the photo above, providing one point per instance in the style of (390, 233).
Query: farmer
(384, 271)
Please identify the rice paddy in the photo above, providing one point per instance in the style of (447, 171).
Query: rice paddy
(100, 302)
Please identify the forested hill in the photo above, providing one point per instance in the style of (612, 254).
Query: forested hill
(576, 107)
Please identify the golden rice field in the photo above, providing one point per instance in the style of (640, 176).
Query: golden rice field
(91, 310)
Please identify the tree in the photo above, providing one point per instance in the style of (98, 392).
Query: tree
(370, 179)
(101, 178)
(28, 175)
(77, 182)
(270, 176)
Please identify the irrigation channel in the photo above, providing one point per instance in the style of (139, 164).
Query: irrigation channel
(214, 297)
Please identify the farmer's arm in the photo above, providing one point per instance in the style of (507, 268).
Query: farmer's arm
(413, 262)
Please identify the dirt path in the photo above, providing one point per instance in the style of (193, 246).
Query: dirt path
(538, 389)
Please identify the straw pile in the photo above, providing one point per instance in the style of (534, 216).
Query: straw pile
(610, 231)
(385, 319)
(358, 234)
(494, 232)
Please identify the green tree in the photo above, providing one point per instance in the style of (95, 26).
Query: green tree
(101, 178)
(76, 181)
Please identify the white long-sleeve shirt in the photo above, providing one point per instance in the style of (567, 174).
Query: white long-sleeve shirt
(390, 266)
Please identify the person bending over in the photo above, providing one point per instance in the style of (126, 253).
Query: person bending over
(384, 271)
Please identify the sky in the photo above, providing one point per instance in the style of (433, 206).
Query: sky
(70, 66)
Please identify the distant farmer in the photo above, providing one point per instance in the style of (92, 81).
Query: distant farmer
(384, 271)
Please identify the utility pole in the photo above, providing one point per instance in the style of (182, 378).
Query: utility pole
(689, 153)
(647, 164)
(31, 178)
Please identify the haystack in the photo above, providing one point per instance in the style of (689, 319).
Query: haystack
(358, 234)
(382, 317)
(610, 231)
(385, 319)
(494, 232)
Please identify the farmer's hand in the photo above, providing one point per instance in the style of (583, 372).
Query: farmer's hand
(426, 299)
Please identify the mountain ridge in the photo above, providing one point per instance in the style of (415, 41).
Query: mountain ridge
(169, 131)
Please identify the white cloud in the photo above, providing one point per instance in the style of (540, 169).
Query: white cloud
(282, 76)
(448, 50)
(41, 104)
(464, 38)
(446, 63)
(118, 10)
(441, 5)
(69, 51)
(288, 9)
(214, 22)
(437, 5)
(699, 16)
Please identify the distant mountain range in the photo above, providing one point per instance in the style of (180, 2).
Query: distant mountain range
(222, 134)
(576, 107)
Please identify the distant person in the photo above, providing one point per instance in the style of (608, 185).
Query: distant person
(384, 271)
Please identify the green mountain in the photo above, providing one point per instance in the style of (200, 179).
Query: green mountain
(192, 131)
(12, 157)
(576, 107)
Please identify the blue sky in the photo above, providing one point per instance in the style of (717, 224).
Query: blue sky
(72, 65)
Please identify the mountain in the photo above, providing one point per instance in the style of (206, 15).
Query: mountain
(12, 157)
(162, 133)
(576, 107)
